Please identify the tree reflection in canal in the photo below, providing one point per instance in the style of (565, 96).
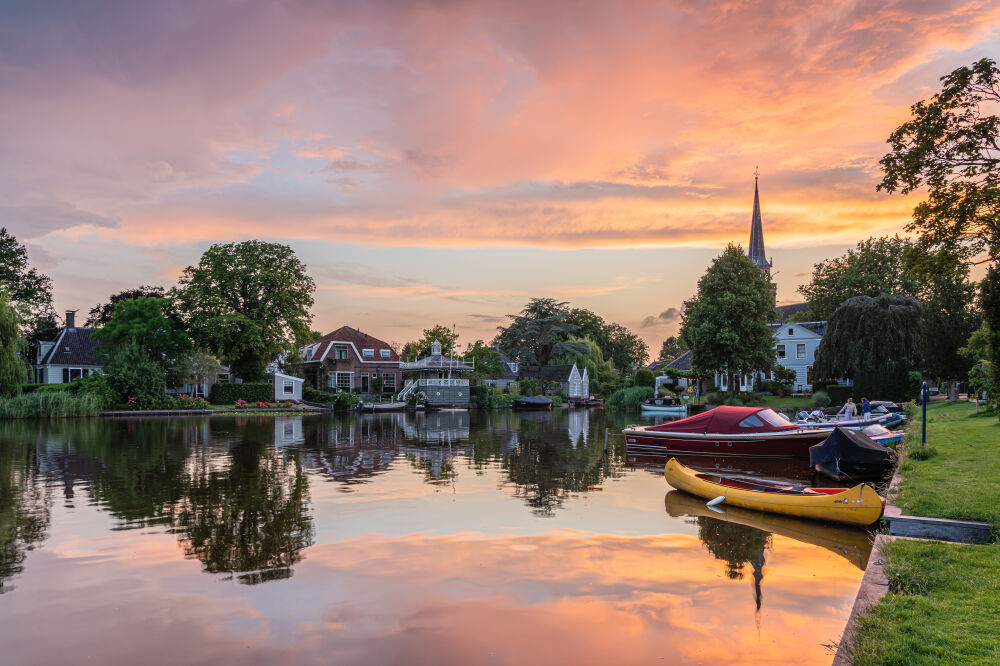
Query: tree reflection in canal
(24, 507)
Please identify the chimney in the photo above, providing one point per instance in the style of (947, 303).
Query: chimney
(70, 318)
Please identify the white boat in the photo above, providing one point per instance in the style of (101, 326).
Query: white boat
(671, 406)
(883, 435)
(885, 420)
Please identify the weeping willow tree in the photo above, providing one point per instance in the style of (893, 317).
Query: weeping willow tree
(871, 341)
(12, 369)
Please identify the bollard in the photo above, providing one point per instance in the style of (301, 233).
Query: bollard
(923, 433)
(606, 440)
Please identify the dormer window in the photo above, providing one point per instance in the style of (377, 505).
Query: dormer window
(384, 353)
(791, 331)
(340, 353)
(368, 353)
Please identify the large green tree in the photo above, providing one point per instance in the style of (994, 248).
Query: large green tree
(487, 363)
(950, 147)
(151, 323)
(948, 318)
(416, 349)
(133, 373)
(989, 299)
(248, 302)
(726, 325)
(875, 266)
(29, 291)
(539, 332)
(872, 341)
(101, 314)
(13, 371)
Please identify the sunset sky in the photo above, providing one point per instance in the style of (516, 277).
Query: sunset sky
(445, 162)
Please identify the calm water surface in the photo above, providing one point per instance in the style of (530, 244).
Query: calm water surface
(448, 538)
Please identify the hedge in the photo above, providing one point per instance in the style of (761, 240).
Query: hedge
(228, 393)
(839, 393)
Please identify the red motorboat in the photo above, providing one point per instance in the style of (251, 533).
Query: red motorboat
(728, 431)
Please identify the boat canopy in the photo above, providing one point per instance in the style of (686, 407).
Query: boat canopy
(726, 419)
(852, 446)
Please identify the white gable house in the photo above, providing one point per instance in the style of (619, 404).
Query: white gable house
(795, 348)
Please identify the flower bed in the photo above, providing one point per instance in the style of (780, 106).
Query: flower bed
(260, 404)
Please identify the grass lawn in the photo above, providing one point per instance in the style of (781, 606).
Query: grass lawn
(941, 608)
(961, 479)
(790, 401)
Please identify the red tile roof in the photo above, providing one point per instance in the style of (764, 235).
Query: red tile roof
(346, 334)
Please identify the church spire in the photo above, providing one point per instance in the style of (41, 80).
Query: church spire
(757, 232)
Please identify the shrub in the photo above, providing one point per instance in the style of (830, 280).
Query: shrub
(643, 377)
(529, 387)
(839, 393)
(44, 388)
(502, 401)
(820, 399)
(96, 385)
(166, 401)
(747, 398)
(229, 393)
(49, 404)
(345, 401)
(132, 373)
(315, 395)
(630, 397)
(715, 398)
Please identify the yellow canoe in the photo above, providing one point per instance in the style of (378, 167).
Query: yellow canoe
(859, 505)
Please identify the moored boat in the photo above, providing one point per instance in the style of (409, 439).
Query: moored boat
(883, 435)
(851, 454)
(888, 420)
(536, 402)
(728, 431)
(671, 406)
(859, 505)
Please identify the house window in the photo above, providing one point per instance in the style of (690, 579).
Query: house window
(389, 383)
(809, 375)
(791, 331)
(780, 349)
(69, 374)
(800, 350)
(288, 388)
(384, 353)
(340, 352)
(343, 381)
(368, 353)
(222, 378)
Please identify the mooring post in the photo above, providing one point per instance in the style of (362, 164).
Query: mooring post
(923, 433)
(606, 430)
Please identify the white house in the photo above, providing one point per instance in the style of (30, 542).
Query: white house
(73, 354)
(795, 346)
(286, 387)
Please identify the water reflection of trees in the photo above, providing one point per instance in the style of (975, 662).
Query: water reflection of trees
(24, 507)
(736, 545)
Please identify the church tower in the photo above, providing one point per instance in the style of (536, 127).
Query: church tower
(757, 240)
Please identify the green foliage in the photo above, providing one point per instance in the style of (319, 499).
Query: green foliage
(715, 398)
(227, 393)
(249, 302)
(821, 399)
(868, 335)
(500, 401)
(746, 398)
(921, 453)
(13, 371)
(101, 314)
(601, 372)
(198, 366)
(947, 318)
(310, 394)
(547, 329)
(949, 147)
(891, 381)
(876, 266)
(29, 291)
(149, 322)
(420, 348)
(487, 363)
(132, 373)
(166, 401)
(981, 379)
(49, 404)
(989, 300)
(726, 324)
(838, 393)
(630, 397)
(96, 385)
(643, 377)
(672, 348)
(529, 387)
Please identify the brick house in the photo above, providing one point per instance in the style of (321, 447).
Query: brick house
(349, 360)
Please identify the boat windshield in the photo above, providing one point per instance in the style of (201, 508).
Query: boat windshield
(773, 418)
(751, 422)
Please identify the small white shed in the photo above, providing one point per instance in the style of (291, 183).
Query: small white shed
(286, 387)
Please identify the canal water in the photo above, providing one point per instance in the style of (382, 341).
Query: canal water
(446, 538)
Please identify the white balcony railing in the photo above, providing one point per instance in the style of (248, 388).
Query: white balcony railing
(441, 382)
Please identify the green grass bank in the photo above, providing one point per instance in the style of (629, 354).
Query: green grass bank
(958, 476)
(941, 607)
